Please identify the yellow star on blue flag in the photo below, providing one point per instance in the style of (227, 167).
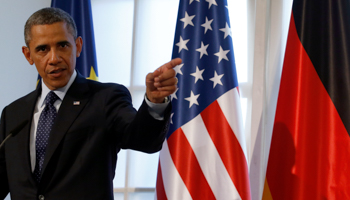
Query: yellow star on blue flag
(93, 75)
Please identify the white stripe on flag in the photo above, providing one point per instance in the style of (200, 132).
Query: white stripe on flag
(174, 187)
(230, 106)
(209, 160)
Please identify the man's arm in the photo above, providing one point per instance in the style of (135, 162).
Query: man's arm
(156, 110)
(142, 130)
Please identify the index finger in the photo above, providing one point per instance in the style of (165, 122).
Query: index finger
(173, 63)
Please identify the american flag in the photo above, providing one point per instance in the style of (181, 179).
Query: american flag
(204, 156)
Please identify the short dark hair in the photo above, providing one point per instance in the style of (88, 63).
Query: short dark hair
(49, 16)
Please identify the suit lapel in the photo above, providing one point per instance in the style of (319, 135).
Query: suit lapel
(73, 103)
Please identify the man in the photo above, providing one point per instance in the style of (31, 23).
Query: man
(89, 121)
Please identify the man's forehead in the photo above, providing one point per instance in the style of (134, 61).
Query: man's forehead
(58, 29)
(50, 33)
(61, 25)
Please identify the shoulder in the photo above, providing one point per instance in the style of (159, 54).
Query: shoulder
(29, 98)
(107, 88)
(95, 89)
(95, 85)
(19, 110)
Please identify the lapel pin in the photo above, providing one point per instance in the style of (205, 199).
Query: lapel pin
(76, 103)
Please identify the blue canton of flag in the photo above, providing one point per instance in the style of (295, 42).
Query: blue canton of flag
(80, 10)
(203, 41)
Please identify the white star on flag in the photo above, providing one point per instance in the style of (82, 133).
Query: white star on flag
(226, 30)
(171, 118)
(203, 49)
(211, 2)
(173, 95)
(216, 79)
(177, 68)
(207, 25)
(182, 44)
(198, 74)
(222, 54)
(192, 1)
(192, 99)
(187, 20)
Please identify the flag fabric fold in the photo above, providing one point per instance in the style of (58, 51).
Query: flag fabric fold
(310, 143)
(80, 10)
(204, 155)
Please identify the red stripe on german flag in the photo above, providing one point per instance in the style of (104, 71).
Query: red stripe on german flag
(310, 146)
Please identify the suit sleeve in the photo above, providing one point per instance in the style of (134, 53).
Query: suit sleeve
(136, 130)
(4, 188)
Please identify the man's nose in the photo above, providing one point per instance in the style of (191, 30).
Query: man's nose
(54, 57)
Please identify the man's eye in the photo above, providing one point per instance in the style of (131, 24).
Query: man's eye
(42, 49)
(64, 45)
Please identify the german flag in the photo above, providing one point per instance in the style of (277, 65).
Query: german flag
(310, 148)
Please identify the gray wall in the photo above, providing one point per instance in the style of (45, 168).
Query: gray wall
(17, 77)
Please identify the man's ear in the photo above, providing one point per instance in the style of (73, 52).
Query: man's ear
(26, 53)
(79, 45)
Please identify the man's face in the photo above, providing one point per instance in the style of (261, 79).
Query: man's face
(53, 50)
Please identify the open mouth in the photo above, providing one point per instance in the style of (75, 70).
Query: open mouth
(56, 71)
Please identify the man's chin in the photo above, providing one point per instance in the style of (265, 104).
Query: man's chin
(54, 85)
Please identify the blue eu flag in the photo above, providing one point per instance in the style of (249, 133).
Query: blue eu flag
(80, 10)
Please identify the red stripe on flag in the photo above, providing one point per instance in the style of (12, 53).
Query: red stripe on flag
(161, 195)
(310, 146)
(228, 148)
(188, 167)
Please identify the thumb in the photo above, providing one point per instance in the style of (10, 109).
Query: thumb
(157, 72)
(150, 78)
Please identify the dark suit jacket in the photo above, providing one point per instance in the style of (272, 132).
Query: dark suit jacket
(82, 152)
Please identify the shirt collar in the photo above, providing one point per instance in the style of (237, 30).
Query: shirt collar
(60, 92)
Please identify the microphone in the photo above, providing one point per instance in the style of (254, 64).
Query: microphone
(14, 132)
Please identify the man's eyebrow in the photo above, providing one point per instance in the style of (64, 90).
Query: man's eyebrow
(63, 42)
